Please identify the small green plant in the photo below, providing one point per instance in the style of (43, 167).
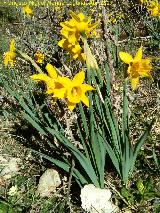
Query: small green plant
(6, 207)
(140, 192)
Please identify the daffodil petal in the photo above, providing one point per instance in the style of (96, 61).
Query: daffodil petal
(9, 58)
(79, 78)
(64, 33)
(61, 42)
(125, 57)
(134, 82)
(145, 74)
(50, 91)
(138, 55)
(85, 100)
(129, 70)
(67, 27)
(94, 25)
(27, 10)
(50, 86)
(74, 16)
(40, 77)
(72, 39)
(12, 46)
(59, 93)
(75, 56)
(81, 16)
(70, 105)
(66, 82)
(86, 87)
(51, 71)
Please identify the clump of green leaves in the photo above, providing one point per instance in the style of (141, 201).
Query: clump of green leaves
(141, 193)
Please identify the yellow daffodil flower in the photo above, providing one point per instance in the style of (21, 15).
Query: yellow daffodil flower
(74, 49)
(72, 30)
(39, 57)
(62, 87)
(27, 10)
(137, 66)
(56, 85)
(75, 90)
(49, 79)
(81, 23)
(10, 56)
(78, 25)
(153, 8)
(67, 33)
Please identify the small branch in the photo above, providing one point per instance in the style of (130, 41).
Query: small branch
(136, 38)
(70, 180)
(119, 194)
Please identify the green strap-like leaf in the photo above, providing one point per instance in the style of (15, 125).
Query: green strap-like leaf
(64, 166)
(85, 163)
(141, 142)
(34, 123)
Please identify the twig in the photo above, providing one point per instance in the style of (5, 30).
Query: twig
(136, 38)
(70, 180)
(124, 200)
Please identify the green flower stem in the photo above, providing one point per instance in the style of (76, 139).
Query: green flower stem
(28, 58)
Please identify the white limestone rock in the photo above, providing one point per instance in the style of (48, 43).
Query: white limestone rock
(48, 183)
(10, 167)
(96, 200)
